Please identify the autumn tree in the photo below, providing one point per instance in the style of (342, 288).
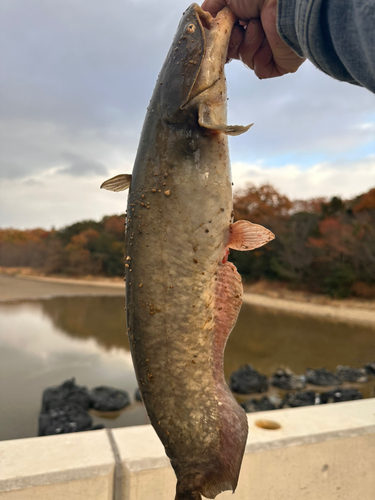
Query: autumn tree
(322, 245)
(261, 204)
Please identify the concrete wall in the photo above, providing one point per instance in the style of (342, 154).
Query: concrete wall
(66, 467)
(318, 453)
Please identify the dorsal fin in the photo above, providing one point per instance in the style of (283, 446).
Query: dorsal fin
(118, 183)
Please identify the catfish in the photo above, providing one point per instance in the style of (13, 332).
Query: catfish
(182, 295)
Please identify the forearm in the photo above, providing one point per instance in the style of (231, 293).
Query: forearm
(338, 36)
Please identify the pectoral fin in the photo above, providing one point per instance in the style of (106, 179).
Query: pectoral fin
(118, 183)
(207, 118)
(247, 236)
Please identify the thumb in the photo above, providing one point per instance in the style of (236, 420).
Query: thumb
(214, 6)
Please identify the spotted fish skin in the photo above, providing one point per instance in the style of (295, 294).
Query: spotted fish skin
(182, 296)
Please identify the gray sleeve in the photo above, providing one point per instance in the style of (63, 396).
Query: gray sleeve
(338, 36)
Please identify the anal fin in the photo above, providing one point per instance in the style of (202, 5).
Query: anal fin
(118, 183)
(233, 427)
(245, 235)
(228, 300)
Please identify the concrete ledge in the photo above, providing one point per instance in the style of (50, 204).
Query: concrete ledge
(312, 424)
(319, 453)
(65, 467)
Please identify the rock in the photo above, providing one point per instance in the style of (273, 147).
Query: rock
(137, 395)
(370, 369)
(67, 392)
(287, 380)
(321, 376)
(348, 374)
(109, 399)
(338, 395)
(296, 399)
(246, 380)
(253, 405)
(64, 419)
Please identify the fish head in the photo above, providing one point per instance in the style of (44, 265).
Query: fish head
(195, 60)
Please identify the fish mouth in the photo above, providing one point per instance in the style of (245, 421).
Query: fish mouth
(204, 17)
(216, 32)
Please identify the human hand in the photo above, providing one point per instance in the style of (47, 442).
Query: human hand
(255, 40)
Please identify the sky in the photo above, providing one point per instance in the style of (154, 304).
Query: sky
(75, 81)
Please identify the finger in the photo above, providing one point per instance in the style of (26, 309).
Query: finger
(213, 6)
(284, 59)
(270, 62)
(235, 42)
(253, 40)
(264, 64)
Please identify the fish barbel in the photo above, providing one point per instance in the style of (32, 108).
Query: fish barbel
(182, 295)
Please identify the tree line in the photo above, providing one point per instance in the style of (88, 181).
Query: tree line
(321, 246)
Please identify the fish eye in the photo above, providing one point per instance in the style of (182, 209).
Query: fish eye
(190, 28)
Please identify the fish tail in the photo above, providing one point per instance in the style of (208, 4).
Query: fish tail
(186, 494)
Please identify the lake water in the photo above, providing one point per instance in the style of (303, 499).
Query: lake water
(45, 342)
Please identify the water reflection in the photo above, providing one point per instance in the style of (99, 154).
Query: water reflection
(270, 338)
(101, 318)
(43, 343)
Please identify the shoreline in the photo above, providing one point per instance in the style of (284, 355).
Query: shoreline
(17, 287)
(100, 282)
(355, 315)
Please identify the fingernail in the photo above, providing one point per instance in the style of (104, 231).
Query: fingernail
(255, 71)
(243, 62)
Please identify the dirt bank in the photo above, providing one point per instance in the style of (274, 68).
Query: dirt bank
(14, 288)
(25, 287)
(341, 312)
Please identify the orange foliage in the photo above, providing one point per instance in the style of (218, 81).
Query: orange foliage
(313, 206)
(366, 202)
(335, 236)
(260, 203)
(19, 236)
(330, 226)
(83, 238)
(364, 290)
(115, 225)
(317, 242)
(79, 261)
(322, 245)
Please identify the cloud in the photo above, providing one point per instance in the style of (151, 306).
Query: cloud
(345, 179)
(304, 114)
(60, 199)
(29, 149)
(10, 170)
(80, 166)
(56, 201)
(77, 79)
